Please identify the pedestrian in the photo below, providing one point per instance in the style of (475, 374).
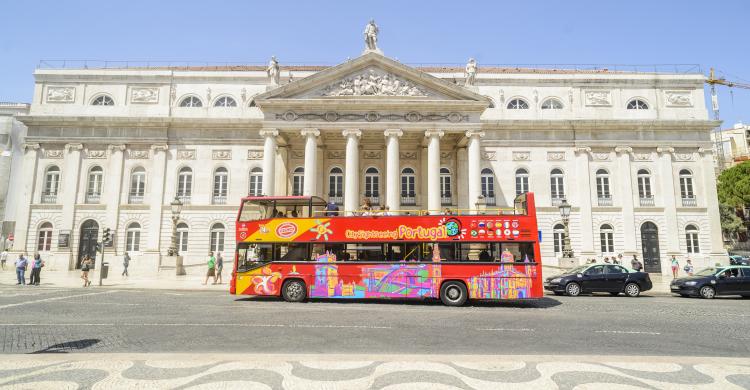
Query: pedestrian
(618, 259)
(675, 266)
(21, 264)
(637, 265)
(125, 264)
(85, 267)
(36, 268)
(606, 259)
(689, 267)
(3, 258)
(332, 209)
(211, 268)
(219, 267)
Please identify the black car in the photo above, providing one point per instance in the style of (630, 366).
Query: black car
(611, 278)
(710, 282)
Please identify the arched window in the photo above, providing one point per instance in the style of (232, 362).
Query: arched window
(137, 186)
(217, 238)
(446, 193)
(637, 104)
(103, 100)
(408, 189)
(221, 185)
(51, 184)
(185, 185)
(607, 238)
(488, 186)
(182, 237)
(336, 185)
(94, 188)
(686, 188)
(518, 104)
(191, 101)
(602, 188)
(691, 239)
(133, 237)
(44, 238)
(255, 187)
(558, 238)
(552, 104)
(557, 186)
(644, 185)
(522, 181)
(372, 185)
(225, 101)
(298, 181)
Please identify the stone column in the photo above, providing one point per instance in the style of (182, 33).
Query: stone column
(351, 174)
(113, 188)
(392, 169)
(718, 253)
(23, 213)
(269, 161)
(462, 181)
(433, 169)
(583, 185)
(69, 183)
(311, 161)
(626, 194)
(671, 231)
(474, 163)
(156, 200)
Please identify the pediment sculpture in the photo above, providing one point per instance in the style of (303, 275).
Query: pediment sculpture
(373, 83)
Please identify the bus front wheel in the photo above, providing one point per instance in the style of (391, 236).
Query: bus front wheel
(294, 291)
(453, 293)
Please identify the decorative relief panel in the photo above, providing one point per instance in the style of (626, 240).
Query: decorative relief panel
(372, 116)
(61, 94)
(601, 156)
(678, 98)
(373, 82)
(408, 155)
(54, 153)
(489, 156)
(446, 155)
(144, 95)
(186, 154)
(336, 154)
(642, 156)
(598, 98)
(136, 154)
(372, 154)
(298, 154)
(254, 154)
(224, 154)
(521, 156)
(97, 153)
(555, 156)
(684, 156)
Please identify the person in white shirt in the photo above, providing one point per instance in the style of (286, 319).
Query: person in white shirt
(3, 258)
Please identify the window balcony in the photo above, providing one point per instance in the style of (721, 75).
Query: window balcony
(408, 200)
(605, 201)
(336, 199)
(490, 199)
(374, 198)
(219, 199)
(135, 199)
(689, 202)
(49, 198)
(93, 198)
(446, 199)
(185, 199)
(557, 201)
(647, 201)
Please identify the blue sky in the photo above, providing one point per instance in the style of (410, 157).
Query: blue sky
(708, 33)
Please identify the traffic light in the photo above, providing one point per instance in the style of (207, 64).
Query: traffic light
(107, 237)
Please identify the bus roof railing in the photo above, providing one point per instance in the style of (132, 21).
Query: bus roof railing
(441, 212)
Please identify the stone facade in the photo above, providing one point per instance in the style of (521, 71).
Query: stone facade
(211, 135)
(12, 133)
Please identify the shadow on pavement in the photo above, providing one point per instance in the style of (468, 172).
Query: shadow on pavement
(69, 346)
(540, 303)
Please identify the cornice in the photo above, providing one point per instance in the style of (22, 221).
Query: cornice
(600, 124)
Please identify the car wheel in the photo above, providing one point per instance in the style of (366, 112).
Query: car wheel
(707, 292)
(614, 294)
(453, 293)
(573, 289)
(632, 290)
(294, 291)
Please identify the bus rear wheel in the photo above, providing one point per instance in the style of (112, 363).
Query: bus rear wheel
(453, 293)
(294, 291)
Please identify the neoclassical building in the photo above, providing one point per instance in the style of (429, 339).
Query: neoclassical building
(111, 148)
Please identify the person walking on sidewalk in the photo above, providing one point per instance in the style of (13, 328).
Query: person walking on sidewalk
(36, 268)
(219, 267)
(21, 264)
(689, 267)
(211, 268)
(85, 267)
(125, 264)
(675, 266)
(3, 258)
(636, 264)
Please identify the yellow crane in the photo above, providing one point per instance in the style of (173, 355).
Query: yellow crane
(718, 138)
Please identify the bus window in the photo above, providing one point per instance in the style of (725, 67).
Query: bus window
(447, 252)
(251, 255)
(522, 251)
(253, 211)
(365, 252)
(292, 252)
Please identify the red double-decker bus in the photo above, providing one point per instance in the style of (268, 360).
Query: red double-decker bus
(490, 254)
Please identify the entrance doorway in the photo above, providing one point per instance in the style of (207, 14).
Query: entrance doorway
(87, 242)
(650, 247)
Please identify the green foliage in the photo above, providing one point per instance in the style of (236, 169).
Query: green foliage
(734, 186)
(731, 224)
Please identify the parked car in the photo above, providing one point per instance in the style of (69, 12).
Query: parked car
(611, 278)
(738, 260)
(710, 282)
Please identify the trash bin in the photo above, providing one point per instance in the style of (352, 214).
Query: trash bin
(105, 270)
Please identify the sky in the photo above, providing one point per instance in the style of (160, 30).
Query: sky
(708, 33)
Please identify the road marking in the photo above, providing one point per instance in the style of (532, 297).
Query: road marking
(207, 325)
(626, 332)
(55, 299)
(507, 329)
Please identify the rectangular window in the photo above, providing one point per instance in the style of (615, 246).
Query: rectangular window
(692, 243)
(220, 185)
(137, 185)
(185, 185)
(182, 241)
(45, 240)
(556, 188)
(298, 185)
(133, 241)
(686, 187)
(602, 187)
(644, 187)
(217, 241)
(522, 185)
(607, 242)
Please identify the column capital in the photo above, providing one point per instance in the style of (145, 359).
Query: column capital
(69, 147)
(623, 150)
(393, 133)
(310, 132)
(665, 149)
(159, 148)
(475, 133)
(581, 149)
(115, 148)
(352, 133)
(434, 133)
(269, 133)
(30, 146)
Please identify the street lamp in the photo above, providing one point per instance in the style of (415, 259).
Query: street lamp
(176, 208)
(565, 214)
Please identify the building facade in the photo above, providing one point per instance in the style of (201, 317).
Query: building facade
(12, 133)
(734, 144)
(631, 152)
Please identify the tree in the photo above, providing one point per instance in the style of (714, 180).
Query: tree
(734, 186)
(731, 224)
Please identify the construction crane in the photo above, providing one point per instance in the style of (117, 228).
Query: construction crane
(718, 137)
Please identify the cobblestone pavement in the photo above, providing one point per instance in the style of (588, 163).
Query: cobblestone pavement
(119, 371)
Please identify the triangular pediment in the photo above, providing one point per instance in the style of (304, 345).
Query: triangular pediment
(371, 77)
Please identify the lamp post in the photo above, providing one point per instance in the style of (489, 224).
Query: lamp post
(176, 208)
(565, 214)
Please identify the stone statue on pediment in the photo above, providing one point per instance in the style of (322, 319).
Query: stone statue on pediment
(371, 36)
(273, 71)
(471, 72)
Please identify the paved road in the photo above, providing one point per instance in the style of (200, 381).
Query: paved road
(38, 319)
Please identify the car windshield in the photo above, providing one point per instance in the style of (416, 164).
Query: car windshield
(578, 270)
(708, 271)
